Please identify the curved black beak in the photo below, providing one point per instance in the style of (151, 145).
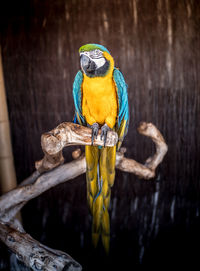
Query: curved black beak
(87, 64)
(85, 61)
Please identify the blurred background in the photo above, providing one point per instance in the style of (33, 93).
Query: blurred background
(156, 45)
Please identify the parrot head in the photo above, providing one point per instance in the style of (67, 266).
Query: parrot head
(94, 60)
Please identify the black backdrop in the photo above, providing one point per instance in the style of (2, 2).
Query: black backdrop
(156, 44)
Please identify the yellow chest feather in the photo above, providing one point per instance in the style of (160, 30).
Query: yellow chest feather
(99, 103)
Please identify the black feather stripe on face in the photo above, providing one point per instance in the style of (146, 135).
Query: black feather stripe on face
(100, 72)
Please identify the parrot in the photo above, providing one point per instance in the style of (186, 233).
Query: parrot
(101, 103)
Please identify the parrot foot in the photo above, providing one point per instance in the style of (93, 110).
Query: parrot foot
(104, 131)
(95, 130)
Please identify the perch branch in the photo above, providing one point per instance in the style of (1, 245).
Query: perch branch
(146, 171)
(52, 144)
(34, 254)
(64, 135)
(149, 130)
(72, 134)
(22, 194)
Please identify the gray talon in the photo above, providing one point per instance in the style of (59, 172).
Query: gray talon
(104, 131)
(95, 130)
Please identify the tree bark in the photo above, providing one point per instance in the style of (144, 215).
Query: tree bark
(50, 172)
(34, 254)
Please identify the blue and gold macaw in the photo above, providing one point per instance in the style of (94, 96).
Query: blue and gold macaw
(101, 102)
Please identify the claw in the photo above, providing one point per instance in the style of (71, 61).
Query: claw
(95, 130)
(104, 131)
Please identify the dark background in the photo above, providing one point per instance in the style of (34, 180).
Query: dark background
(156, 44)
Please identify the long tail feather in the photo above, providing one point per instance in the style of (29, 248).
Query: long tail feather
(100, 178)
(105, 234)
(92, 157)
(97, 219)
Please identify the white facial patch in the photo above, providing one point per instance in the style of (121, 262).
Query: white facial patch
(96, 56)
(99, 62)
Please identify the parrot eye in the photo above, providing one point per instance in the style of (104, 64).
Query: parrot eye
(96, 53)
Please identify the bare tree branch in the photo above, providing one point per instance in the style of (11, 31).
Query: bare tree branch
(55, 173)
(34, 254)
(146, 171)
(54, 141)
(36, 184)
(149, 130)
(64, 135)
(44, 182)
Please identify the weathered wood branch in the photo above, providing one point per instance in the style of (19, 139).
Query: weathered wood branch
(54, 141)
(64, 135)
(146, 171)
(34, 254)
(149, 130)
(22, 194)
(52, 144)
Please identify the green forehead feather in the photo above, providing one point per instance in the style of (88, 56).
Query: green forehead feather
(93, 46)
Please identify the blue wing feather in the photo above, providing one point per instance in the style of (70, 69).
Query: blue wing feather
(123, 114)
(77, 95)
